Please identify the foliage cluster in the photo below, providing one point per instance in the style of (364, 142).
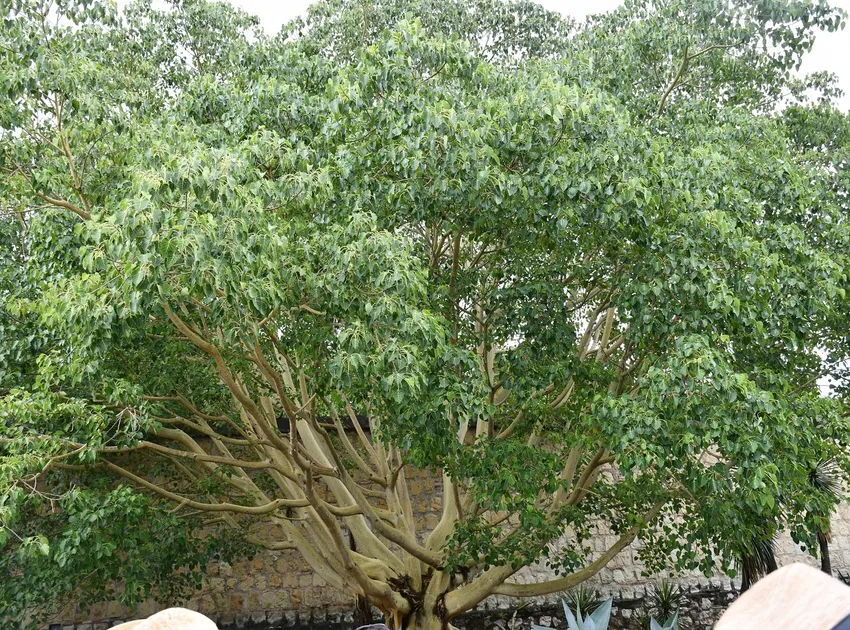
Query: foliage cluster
(587, 273)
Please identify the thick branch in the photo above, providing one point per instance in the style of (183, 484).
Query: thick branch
(214, 459)
(61, 203)
(572, 580)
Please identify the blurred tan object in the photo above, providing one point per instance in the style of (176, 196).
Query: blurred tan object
(170, 619)
(796, 597)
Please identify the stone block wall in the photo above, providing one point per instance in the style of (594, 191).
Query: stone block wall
(278, 589)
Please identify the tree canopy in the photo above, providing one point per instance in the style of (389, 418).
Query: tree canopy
(587, 274)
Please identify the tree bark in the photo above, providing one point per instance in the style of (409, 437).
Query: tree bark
(424, 620)
(825, 563)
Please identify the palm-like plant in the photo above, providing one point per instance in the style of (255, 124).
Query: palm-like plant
(825, 476)
(756, 560)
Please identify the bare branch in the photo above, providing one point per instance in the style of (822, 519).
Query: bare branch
(277, 504)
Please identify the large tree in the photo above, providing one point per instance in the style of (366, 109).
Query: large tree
(589, 276)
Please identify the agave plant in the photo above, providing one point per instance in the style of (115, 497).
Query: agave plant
(672, 623)
(598, 620)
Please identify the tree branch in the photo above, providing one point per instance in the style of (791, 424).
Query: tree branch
(683, 67)
(572, 580)
(267, 508)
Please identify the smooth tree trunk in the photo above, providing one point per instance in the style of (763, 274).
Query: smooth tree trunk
(425, 620)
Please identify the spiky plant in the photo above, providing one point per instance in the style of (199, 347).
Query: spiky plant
(756, 560)
(665, 599)
(583, 598)
(597, 620)
(825, 477)
(672, 623)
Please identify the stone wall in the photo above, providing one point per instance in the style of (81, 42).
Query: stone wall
(278, 589)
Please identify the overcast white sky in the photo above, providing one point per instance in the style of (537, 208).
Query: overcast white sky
(831, 51)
